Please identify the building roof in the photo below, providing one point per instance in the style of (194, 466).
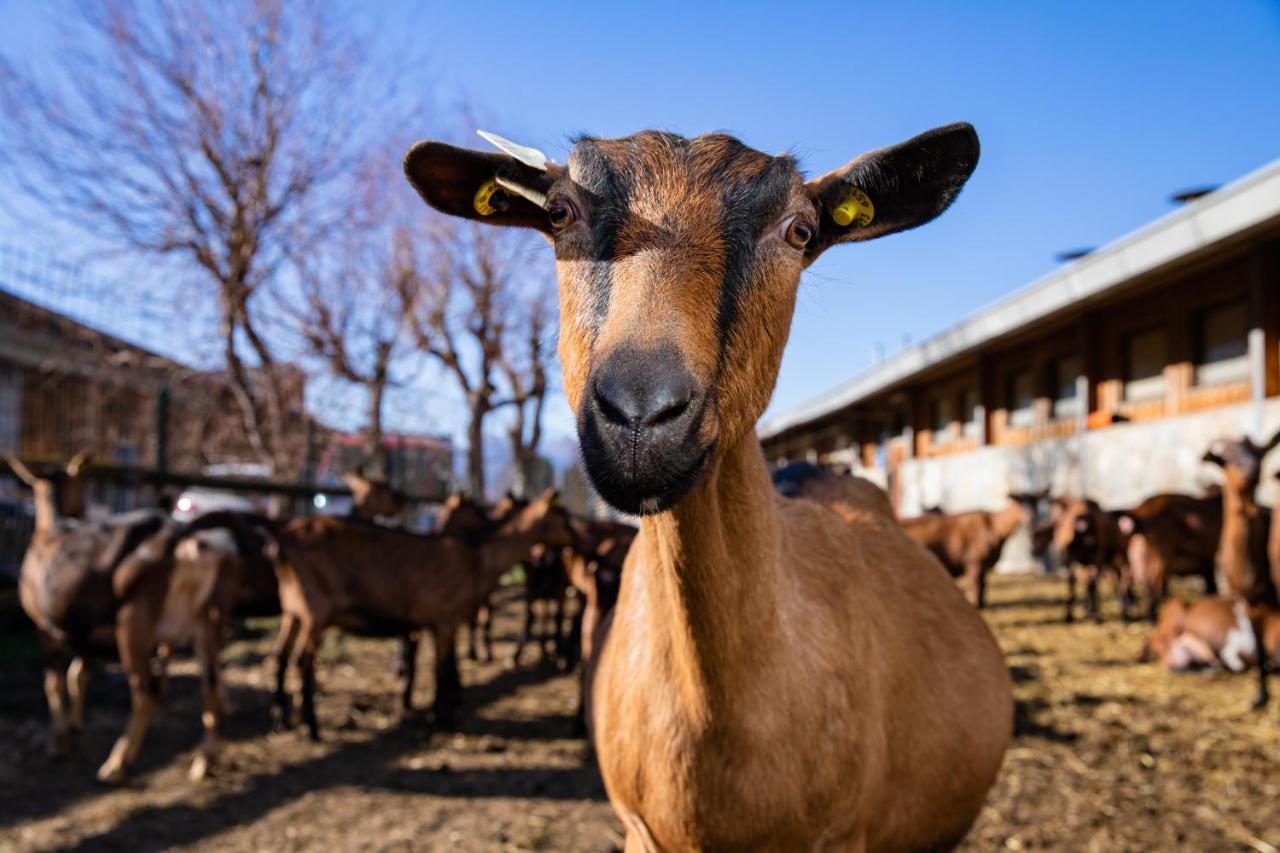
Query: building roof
(1222, 217)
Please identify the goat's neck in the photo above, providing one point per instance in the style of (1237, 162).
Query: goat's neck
(47, 515)
(706, 579)
(1239, 515)
(1006, 521)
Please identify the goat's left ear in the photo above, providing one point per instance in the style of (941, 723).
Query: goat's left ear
(893, 189)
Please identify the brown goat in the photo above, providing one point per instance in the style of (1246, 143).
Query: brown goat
(1172, 535)
(844, 494)
(58, 497)
(772, 677)
(1246, 529)
(376, 581)
(968, 544)
(1214, 632)
(1088, 542)
(373, 499)
(177, 588)
(463, 517)
(124, 586)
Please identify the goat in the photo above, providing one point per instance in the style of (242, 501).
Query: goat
(1214, 632)
(1246, 528)
(374, 499)
(969, 544)
(1172, 535)
(178, 588)
(772, 676)
(376, 581)
(58, 498)
(463, 517)
(546, 580)
(844, 495)
(1088, 542)
(123, 585)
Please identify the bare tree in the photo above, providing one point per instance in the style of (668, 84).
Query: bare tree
(525, 362)
(218, 134)
(459, 309)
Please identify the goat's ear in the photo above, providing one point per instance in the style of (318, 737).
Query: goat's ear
(893, 189)
(21, 471)
(461, 182)
(77, 463)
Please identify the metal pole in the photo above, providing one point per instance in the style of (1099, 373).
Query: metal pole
(162, 429)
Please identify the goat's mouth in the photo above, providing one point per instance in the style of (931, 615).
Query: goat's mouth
(635, 477)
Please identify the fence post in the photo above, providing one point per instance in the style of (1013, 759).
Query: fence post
(309, 466)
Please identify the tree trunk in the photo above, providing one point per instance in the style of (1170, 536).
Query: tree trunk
(475, 454)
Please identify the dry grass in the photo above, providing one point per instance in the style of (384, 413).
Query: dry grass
(1110, 755)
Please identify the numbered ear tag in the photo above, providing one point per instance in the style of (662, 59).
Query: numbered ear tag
(483, 201)
(856, 209)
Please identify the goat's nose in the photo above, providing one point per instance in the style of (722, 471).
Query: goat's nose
(647, 390)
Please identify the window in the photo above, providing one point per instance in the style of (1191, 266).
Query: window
(972, 411)
(1064, 373)
(1222, 345)
(940, 418)
(1144, 365)
(1020, 399)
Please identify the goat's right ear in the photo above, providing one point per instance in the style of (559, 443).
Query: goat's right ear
(462, 182)
(21, 471)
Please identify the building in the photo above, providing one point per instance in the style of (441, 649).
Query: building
(1107, 378)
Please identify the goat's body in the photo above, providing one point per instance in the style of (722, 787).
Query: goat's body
(1172, 535)
(846, 495)
(849, 698)
(968, 544)
(1089, 543)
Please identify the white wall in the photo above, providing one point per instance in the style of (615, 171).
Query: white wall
(1124, 464)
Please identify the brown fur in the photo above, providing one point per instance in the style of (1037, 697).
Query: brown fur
(1172, 535)
(1201, 629)
(772, 676)
(1089, 542)
(1246, 529)
(380, 582)
(968, 544)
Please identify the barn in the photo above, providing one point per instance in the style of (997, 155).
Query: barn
(1106, 378)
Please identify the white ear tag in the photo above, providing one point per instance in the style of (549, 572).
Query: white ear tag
(531, 157)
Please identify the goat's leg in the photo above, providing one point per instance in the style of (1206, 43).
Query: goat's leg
(484, 618)
(306, 662)
(55, 693)
(1257, 621)
(77, 687)
(1124, 592)
(1071, 594)
(975, 583)
(135, 647)
(559, 641)
(473, 630)
(1211, 581)
(282, 653)
(211, 696)
(409, 659)
(524, 633)
(448, 684)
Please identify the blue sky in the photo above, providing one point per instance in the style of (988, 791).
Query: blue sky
(1090, 114)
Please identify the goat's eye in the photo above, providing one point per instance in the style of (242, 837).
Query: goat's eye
(798, 232)
(561, 214)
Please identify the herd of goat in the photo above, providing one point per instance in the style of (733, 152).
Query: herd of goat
(139, 584)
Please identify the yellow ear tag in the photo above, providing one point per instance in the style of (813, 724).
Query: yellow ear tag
(483, 196)
(856, 208)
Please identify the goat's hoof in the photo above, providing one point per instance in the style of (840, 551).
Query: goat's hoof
(1260, 704)
(112, 773)
(199, 768)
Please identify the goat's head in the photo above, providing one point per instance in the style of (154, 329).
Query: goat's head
(374, 498)
(678, 262)
(461, 516)
(63, 491)
(1241, 461)
(1076, 528)
(545, 519)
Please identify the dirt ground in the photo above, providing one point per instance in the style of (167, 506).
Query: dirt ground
(1110, 755)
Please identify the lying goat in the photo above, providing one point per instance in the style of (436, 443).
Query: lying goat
(1213, 632)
